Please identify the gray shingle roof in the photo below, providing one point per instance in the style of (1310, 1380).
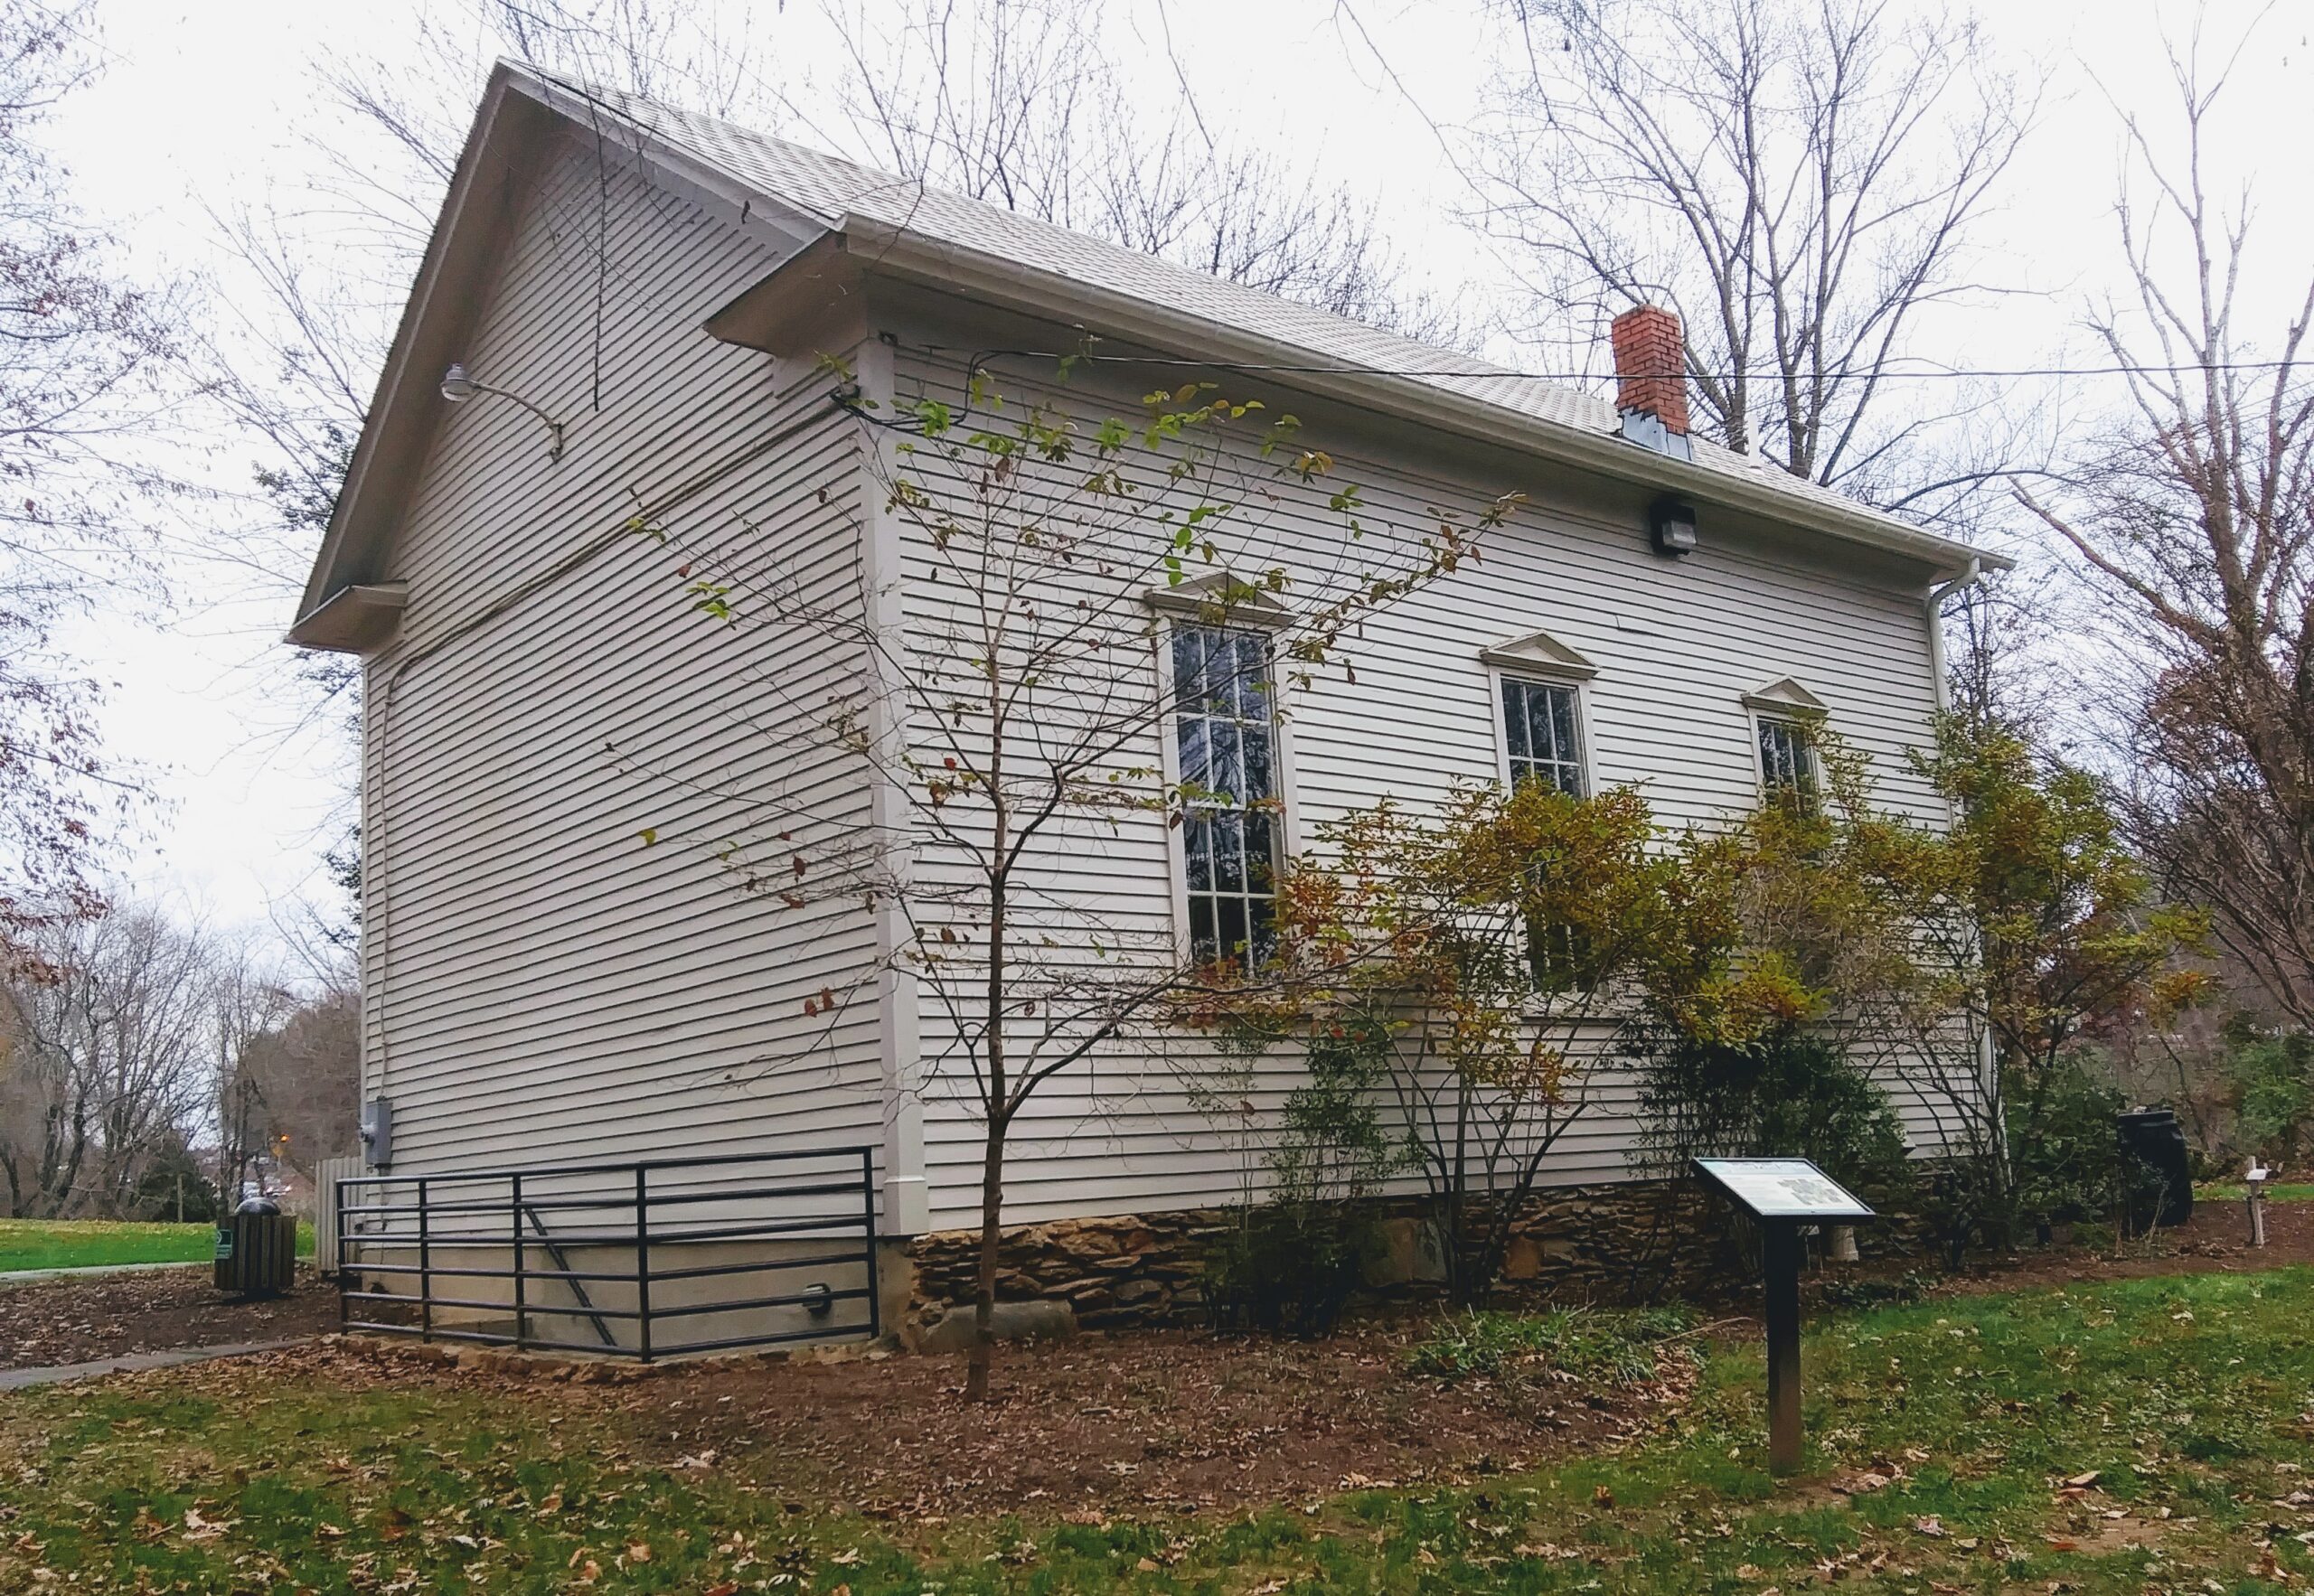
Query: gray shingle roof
(832, 189)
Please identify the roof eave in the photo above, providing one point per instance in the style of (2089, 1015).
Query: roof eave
(941, 263)
(354, 620)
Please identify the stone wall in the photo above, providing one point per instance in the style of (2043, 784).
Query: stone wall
(1598, 1244)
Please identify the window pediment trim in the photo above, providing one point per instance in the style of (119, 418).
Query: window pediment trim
(1539, 653)
(1784, 696)
(1220, 599)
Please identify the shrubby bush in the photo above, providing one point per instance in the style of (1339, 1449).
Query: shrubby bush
(2271, 1077)
(2067, 1155)
(1290, 1263)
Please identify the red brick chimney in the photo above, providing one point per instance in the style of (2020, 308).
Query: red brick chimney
(1652, 366)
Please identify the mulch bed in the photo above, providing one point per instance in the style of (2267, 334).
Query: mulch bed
(48, 1322)
(1127, 1422)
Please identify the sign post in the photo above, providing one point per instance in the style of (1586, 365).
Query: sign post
(1782, 1195)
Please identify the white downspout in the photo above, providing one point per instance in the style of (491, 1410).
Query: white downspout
(1971, 575)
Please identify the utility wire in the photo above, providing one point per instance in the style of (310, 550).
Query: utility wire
(1351, 369)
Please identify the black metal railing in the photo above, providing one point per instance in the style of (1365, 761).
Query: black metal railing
(639, 1253)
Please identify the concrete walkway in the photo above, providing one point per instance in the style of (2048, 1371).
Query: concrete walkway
(18, 1277)
(22, 1379)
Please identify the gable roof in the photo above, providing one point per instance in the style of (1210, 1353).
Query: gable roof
(986, 251)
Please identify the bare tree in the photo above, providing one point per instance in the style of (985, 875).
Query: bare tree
(89, 377)
(1016, 102)
(2192, 514)
(1802, 181)
(289, 1087)
(108, 1060)
(1018, 706)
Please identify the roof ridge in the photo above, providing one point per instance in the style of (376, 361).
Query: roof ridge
(876, 181)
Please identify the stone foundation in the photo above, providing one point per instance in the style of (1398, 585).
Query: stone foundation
(1624, 1242)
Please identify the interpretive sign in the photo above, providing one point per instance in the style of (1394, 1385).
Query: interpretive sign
(1782, 1195)
(1785, 1189)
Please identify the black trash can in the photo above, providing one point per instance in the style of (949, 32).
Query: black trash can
(257, 1250)
(2166, 1197)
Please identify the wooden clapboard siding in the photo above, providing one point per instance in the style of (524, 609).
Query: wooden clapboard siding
(1678, 644)
(540, 985)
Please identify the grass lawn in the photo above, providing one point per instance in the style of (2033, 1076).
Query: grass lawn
(72, 1244)
(2275, 1192)
(2143, 1435)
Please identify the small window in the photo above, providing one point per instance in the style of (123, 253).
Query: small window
(1787, 763)
(1225, 733)
(1539, 732)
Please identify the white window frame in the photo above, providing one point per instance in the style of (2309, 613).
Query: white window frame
(1178, 611)
(1541, 661)
(1784, 703)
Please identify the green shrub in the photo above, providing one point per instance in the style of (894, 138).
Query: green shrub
(1790, 1094)
(1290, 1263)
(1594, 1346)
(2066, 1153)
(1286, 1268)
(2273, 1079)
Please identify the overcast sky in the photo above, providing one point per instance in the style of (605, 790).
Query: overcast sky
(206, 104)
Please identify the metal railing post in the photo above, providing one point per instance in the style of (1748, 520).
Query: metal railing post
(642, 1261)
(868, 1217)
(337, 1202)
(514, 1230)
(425, 1268)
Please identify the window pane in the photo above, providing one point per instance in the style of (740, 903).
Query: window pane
(1197, 844)
(1265, 912)
(1539, 723)
(1785, 765)
(1540, 734)
(1253, 670)
(1563, 732)
(1201, 938)
(1229, 924)
(1188, 652)
(1197, 760)
(1514, 723)
(1261, 852)
(1228, 852)
(1253, 749)
(1228, 779)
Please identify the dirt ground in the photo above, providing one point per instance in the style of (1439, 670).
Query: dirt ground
(1176, 1419)
(2217, 1238)
(78, 1320)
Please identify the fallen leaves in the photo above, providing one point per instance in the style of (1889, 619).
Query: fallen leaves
(199, 1526)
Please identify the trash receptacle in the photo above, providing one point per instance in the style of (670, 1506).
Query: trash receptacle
(2154, 1137)
(257, 1250)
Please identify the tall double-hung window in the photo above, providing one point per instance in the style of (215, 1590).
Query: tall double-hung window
(1225, 728)
(1538, 679)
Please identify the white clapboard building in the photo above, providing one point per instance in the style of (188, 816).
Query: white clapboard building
(638, 302)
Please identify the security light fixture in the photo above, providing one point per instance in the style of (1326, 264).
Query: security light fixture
(458, 387)
(1671, 526)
